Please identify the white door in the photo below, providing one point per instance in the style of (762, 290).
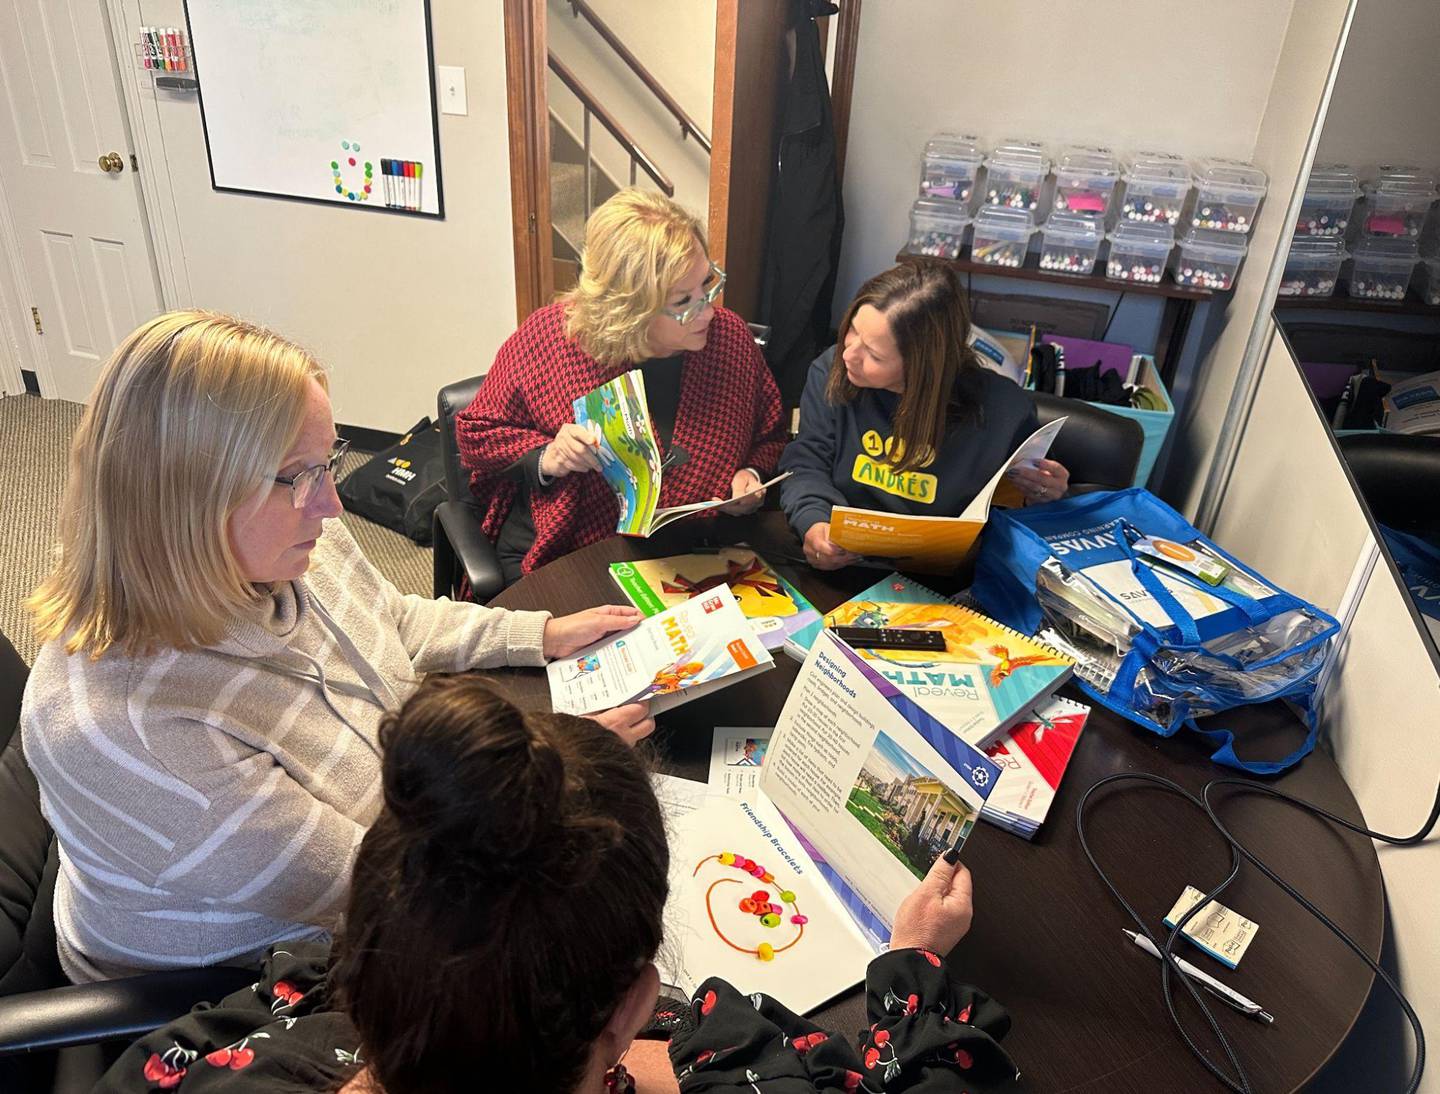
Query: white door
(84, 252)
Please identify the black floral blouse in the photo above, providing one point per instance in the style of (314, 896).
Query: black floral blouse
(929, 1034)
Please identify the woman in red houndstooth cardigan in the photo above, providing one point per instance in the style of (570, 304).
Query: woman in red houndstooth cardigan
(645, 300)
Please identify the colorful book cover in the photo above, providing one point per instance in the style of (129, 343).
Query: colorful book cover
(988, 675)
(935, 544)
(776, 609)
(668, 659)
(873, 782)
(617, 414)
(747, 903)
(1032, 758)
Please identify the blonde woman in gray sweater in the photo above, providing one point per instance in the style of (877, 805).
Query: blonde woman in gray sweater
(218, 654)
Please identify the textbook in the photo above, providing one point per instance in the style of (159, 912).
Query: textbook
(871, 780)
(987, 677)
(937, 544)
(775, 608)
(618, 416)
(1032, 758)
(747, 903)
(684, 652)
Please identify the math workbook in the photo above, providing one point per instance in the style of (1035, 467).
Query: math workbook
(698, 646)
(747, 904)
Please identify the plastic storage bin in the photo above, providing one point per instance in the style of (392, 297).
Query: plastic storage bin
(1209, 259)
(937, 227)
(1313, 267)
(1138, 252)
(1430, 280)
(1383, 268)
(1070, 243)
(1156, 186)
(1397, 201)
(1228, 194)
(1330, 198)
(1014, 173)
(1085, 180)
(1002, 236)
(952, 164)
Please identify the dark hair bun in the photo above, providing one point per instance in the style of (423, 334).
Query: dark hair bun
(480, 791)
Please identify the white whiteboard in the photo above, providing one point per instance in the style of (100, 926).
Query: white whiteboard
(297, 97)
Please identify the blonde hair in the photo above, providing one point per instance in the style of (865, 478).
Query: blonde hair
(638, 245)
(191, 416)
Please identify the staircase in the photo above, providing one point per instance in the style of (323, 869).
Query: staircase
(567, 199)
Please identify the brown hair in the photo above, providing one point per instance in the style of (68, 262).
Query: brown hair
(930, 323)
(506, 898)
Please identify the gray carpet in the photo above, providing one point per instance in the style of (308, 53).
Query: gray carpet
(36, 435)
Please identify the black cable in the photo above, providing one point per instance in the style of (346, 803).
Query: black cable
(1237, 851)
(1113, 313)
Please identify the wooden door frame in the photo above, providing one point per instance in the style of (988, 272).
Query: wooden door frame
(528, 110)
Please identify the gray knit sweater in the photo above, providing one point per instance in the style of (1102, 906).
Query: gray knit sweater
(209, 803)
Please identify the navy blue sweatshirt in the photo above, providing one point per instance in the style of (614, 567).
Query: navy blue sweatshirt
(839, 456)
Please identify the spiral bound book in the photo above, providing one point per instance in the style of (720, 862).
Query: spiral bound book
(987, 677)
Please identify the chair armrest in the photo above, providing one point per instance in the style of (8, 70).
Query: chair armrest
(112, 1010)
(461, 543)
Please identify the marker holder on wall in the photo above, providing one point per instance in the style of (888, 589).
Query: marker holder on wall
(164, 53)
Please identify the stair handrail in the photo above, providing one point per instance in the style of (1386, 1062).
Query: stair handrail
(591, 105)
(687, 123)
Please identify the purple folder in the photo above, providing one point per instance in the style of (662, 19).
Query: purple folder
(1083, 353)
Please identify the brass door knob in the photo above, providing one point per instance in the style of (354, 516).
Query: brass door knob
(112, 163)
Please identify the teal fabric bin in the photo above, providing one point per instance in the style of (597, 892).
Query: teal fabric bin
(1155, 423)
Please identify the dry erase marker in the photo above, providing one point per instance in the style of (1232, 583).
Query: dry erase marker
(1209, 983)
(419, 185)
(145, 48)
(385, 177)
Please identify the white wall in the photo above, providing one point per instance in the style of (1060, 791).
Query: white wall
(396, 306)
(1167, 74)
(678, 47)
(1384, 108)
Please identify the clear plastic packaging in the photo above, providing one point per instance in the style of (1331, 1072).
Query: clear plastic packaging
(1138, 252)
(937, 227)
(1070, 243)
(1085, 179)
(1002, 236)
(1209, 259)
(1313, 267)
(1397, 202)
(1228, 194)
(1156, 187)
(952, 163)
(1330, 196)
(1383, 268)
(1430, 280)
(1014, 174)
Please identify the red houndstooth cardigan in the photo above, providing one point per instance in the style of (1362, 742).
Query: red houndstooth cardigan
(729, 417)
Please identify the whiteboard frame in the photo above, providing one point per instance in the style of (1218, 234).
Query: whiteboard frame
(438, 214)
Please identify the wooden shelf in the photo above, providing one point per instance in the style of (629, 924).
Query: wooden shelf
(1341, 301)
(1031, 271)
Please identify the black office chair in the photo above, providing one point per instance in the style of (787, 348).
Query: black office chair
(462, 549)
(1100, 450)
(1399, 476)
(39, 1011)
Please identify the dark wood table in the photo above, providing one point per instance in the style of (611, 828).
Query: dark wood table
(1088, 1009)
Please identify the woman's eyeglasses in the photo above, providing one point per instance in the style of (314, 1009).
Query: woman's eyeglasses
(714, 285)
(304, 485)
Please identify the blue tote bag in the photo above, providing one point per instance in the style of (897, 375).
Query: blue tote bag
(1119, 575)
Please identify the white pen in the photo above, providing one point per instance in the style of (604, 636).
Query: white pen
(1209, 983)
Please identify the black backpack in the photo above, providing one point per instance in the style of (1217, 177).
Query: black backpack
(400, 487)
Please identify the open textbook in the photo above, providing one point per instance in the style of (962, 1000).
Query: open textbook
(937, 544)
(874, 783)
(617, 414)
(697, 647)
(747, 903)
(776, 609)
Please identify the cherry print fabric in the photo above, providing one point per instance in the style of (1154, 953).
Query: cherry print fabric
(929, 1034)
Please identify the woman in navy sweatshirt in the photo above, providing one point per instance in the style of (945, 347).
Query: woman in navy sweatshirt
(903, 418)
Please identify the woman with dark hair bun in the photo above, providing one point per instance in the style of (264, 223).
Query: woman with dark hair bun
(504, 914)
